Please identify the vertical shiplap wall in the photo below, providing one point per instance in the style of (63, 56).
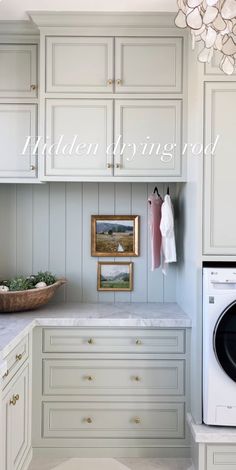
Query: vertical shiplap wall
(47, 227)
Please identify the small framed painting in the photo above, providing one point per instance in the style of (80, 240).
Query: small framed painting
(115, 276)
(115, 235)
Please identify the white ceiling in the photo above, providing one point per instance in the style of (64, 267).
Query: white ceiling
(16, 9)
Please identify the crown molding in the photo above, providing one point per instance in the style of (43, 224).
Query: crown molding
(18, 28)
(44, 19)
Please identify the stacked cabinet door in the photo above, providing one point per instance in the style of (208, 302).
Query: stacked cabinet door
(18, 71)
(79, 64)
(148, 65)
(219, 169)
(79, 137)
(17, 123)
(148, 137)
(15, 422)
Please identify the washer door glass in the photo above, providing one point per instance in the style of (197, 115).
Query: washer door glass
(225, 340)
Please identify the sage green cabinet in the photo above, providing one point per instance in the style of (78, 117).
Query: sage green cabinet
(79, 64)
(15, 421)
(148, 65)
(219, 228)
(18, 71)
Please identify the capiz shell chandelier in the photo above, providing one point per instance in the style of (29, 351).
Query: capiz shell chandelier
(213, 23)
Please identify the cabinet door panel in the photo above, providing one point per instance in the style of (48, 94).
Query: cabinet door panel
(148, 137)
(17, 122)
(18, 71)
(149, 65)
(84, 128)
(113, 377)
(79, 64)
(219, 170)
(70, 420)
(5, 433)
(20, 419)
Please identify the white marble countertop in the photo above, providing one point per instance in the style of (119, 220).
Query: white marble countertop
(211, 434)
(13, 327)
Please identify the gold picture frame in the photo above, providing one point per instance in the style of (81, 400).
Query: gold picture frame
(115, 276)
(115, 235)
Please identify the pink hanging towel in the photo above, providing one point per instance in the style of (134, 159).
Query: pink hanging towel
(154, 220)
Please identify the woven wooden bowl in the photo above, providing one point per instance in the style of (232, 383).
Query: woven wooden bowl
(31, 299)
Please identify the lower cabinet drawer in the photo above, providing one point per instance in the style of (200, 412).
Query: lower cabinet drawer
(221, 457)
(113, 377)
(113, 420)
(84, 340)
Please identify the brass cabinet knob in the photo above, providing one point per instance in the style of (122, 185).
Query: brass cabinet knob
(137, 420)
(90, 341)
(110, 81)
(33, 87)
(14, 399)
(118, 165)
(110, 165)
(89, 420)
(18, 357)
(32, 167)
(90, 378)
(137, 378)
(138, 342)
(119, 81)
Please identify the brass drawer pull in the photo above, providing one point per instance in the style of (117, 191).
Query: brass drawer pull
(138, 342)
(18, 357)
(33, 87)
(137, 420)
(90, 341)
(89, 420)
(119, 81)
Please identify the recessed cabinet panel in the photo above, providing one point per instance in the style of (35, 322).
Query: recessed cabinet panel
(107, 420)
(78, 135)
(18, 71)
(17, 122)
(113, 377)
(15, 422)
(149, 65)
(219, 169)
(20, 419)
(79, 64)
(148, 136)
(86, 340)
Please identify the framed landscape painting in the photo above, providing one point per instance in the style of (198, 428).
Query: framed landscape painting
(115, 235)
(115, 276)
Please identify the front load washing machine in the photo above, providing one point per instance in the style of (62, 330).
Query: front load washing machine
(219, 346)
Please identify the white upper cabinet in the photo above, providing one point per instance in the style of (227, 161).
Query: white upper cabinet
(220, 169)
(17, 122)
(148, 65)
(81, 134)
(148, 138)
(18, 71)
(79, 64)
